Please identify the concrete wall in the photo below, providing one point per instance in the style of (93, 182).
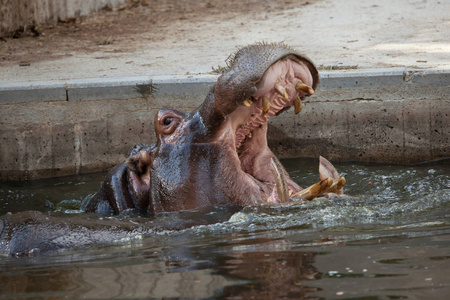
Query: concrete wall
(90, 125)
(17, 13)
(399, 117)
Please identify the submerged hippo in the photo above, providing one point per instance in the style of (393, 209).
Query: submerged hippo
(216, 155)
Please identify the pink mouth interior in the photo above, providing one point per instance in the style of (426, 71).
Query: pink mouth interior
(250, 126)
(286, 72)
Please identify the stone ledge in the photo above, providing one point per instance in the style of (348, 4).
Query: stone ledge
(382, 80)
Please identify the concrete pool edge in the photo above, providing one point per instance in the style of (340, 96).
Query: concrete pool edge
(395, 115)
(130, 87)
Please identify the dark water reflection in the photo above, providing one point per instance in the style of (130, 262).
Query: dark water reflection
(390, 242)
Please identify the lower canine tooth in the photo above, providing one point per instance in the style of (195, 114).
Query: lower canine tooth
(300, 86)
(298, 105)
(265, 105)
(281, 90)
(337, 186)
(280, 181)
(248, 102)
(314, 190)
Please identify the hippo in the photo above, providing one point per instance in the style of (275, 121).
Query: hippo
(215, 156)
(218, 154)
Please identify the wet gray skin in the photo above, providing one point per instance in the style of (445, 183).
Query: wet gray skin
(217, 154)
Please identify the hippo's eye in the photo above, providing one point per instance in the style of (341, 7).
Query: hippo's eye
(167, 121)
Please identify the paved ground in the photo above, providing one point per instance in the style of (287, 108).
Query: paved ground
(336, 34)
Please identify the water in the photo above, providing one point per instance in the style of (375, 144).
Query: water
(392, 241)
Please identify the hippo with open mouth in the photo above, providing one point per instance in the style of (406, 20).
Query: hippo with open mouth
(218, 154)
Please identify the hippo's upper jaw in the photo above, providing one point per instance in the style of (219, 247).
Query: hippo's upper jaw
(218, 154)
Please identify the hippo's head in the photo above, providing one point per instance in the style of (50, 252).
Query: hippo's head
(217, 154)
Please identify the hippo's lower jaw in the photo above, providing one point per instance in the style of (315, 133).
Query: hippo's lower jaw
(285, 83)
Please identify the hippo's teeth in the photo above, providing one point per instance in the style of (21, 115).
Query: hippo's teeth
(281, 90)
(337, 185)
(265, 105)
(300, 86)
(248, 102)
(314, 190)
(298, 105)
(280, 181)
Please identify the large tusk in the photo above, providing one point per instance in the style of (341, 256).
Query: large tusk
(265, 105)
(298, 105)
(281, 90)
(326, 169)
(300, 86)
(314, 190)
(248, 102)
(280, 181)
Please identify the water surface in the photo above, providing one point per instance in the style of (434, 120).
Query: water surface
(390, 241)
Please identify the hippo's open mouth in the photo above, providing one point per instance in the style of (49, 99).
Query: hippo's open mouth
(285, 84)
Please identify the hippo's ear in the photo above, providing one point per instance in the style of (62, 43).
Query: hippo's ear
(139, 165)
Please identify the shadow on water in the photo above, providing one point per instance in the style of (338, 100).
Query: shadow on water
(391, 241)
